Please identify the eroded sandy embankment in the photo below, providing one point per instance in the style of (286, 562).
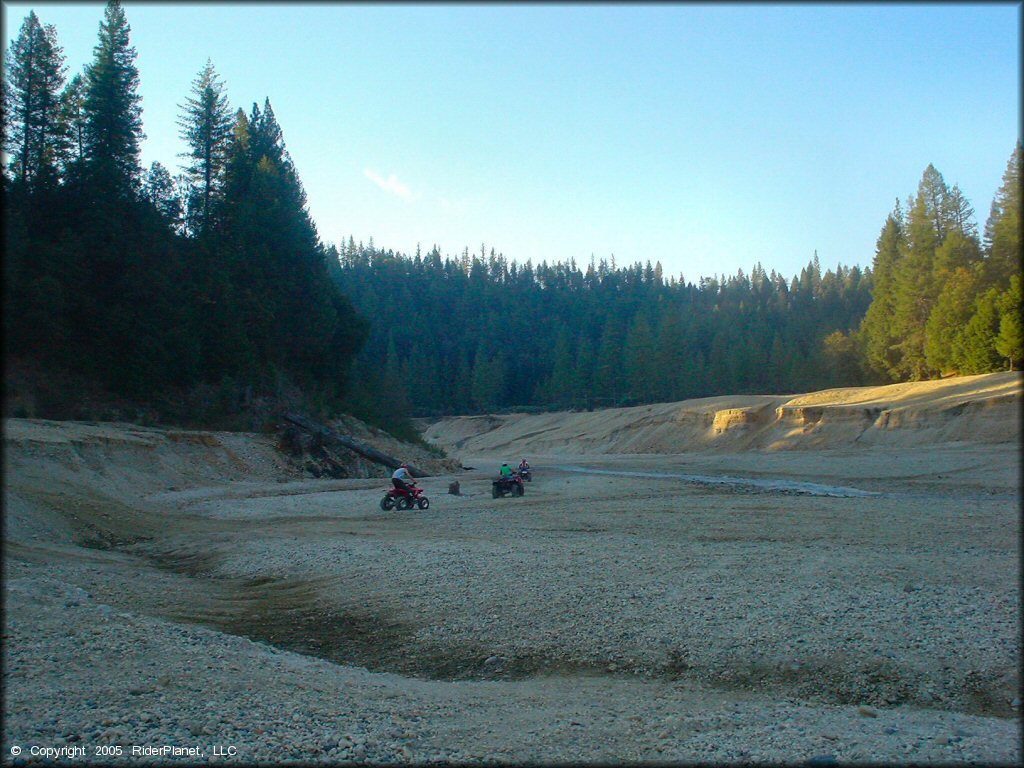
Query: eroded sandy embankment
(984, 409)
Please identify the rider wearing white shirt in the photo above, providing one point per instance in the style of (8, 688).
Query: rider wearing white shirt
(402, 479)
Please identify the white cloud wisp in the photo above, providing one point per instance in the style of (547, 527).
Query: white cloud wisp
(392, 184)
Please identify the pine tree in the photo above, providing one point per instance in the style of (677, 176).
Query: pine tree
(915, 288)
(160, 191)
(206, 126)
(877, 326)
(293, 314)
(975, 348)
(394, 394)
(72, 127)
(954, 274)
(952, 311)
(487, 378)
(718, 375)
(842, 359)
(34, 74)
(583, 395)
(670, 358)
(1010, 341)
(238, 164)
(959, 250)
(563, 374)
(777, 366)
(113, 114)
(638, 359)
(1002, 241)
(960, 213)
(608, 379)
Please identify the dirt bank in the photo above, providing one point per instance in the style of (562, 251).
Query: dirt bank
(965, 409)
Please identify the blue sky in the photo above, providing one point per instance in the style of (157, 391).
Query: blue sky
(709, 137)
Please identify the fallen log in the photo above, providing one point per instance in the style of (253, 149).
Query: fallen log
(366, 451)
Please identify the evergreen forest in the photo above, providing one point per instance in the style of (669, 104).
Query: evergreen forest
(189, 294)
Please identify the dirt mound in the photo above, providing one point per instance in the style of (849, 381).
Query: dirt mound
(983, 408)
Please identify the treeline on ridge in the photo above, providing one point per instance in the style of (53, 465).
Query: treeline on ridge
(480, 333)
(194, 293)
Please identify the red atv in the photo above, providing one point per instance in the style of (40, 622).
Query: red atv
(397, 498)
(512, 484)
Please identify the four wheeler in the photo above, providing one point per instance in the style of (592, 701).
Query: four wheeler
(512, 484)
(413, 497)
(524, 472)
(397, 498)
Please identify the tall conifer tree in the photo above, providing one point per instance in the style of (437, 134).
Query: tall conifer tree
(113, 111)
(291, 311)
(877, 327)
(34, 75)
(206, 126)
(1003, 228)
(915, 287)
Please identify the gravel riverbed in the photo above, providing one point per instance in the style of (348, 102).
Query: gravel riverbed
(599, 618)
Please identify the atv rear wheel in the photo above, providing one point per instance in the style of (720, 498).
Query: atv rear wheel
(517, 490)
(403, 502)
(387, 503)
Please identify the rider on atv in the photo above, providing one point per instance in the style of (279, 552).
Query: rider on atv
(405, 494)
(508, 481)
(524, 471)
(402, 479)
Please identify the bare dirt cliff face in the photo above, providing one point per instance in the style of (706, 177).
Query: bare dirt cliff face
(983, 409)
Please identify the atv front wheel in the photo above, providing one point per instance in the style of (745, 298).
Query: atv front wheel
(424, 503)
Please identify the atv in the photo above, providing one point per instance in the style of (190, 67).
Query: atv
(396, 498)
(513, 484)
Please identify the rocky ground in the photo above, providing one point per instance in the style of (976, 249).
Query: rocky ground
(194, 594)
